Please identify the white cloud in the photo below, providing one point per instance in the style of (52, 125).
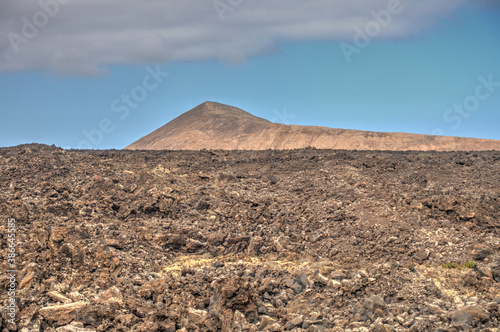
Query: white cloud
(82, 37)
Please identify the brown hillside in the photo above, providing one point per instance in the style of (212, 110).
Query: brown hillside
(216, 126)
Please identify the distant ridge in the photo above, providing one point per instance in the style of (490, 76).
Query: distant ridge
(212, 125)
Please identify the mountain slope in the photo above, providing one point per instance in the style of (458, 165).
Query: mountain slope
(217, 126)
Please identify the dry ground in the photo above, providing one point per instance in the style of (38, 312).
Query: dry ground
(251, 240)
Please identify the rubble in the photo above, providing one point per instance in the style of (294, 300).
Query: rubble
(299, 240)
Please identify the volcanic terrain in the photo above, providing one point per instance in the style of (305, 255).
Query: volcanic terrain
(291, 240)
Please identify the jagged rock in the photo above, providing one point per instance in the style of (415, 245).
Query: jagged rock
(111, 295)
(273, 327)
(56, 296)
(293, 284)
(421, 255)
(169, 327)
(462, 319)
(434, 309)
(75, 327)
(480, 252)
(193, 245)
(485, 271)
(373, 307)
(58, 234)
(240, 323)
(316, 328)
(127, 319)
(374, 302)
(267, 285)
(148, 326)
(492, 307)
(254, 245)
(116, 243)
(62, 314)
(27, 280)
(321, 279)
(76, 296)
(266, 321)
(478, 315)
(295, 322)
(28, 318)
(196, 316)
(304, 280)
(338, 275)
(334, 284)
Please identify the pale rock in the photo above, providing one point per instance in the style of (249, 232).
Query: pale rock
(56, 296)
(75, 327)
(266, 321)
(112, 295)
(62, 314)
(196, 316)
(334, 284)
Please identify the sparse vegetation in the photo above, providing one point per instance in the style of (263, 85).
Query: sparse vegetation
(469, 265)
(465, 265)
(423, 155)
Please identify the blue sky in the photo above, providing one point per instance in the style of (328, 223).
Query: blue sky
(438, 75)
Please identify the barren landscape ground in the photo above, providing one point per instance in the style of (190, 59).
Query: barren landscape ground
(303, 240)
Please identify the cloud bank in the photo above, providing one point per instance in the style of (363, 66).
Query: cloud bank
(83, 37)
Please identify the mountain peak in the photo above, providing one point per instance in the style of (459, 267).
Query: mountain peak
(213, 125)
(211, 109)
(202, 126)
(209, 103)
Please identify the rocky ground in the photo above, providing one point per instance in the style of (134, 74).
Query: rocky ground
(302, 240)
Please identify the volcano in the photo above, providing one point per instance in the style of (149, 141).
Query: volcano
(215, 126)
